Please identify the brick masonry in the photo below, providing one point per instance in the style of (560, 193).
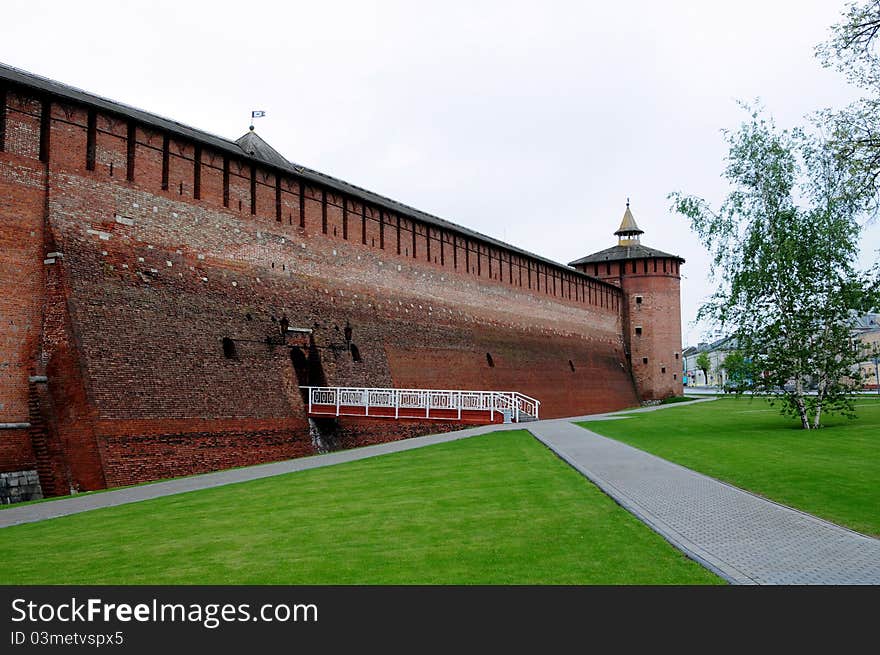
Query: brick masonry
(154, 306)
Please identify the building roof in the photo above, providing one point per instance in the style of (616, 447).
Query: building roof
(867, 322)
(723, 344)
(618, 253)
(251, 146)
(254, 145)
(628, 224)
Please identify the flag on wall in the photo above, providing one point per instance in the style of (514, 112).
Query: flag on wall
(257, 114)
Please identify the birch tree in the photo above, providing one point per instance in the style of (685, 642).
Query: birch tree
(854, 50)
(784, 244)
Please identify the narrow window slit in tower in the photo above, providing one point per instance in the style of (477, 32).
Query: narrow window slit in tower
(277, 197)
(344, 219)
(131, 144)
(324, 211)
(226, 182)
(253, 189)
(489, 360)
(91, 139)
(165, 161)
(45, 124)
(197, 173)
(229, 348)
(302, 204)
(2, 118)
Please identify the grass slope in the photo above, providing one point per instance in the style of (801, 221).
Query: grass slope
(833, 472)
(493, 509)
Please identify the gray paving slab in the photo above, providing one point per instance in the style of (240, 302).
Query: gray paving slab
(744, 538)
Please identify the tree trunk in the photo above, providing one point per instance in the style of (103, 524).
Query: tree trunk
(801, 405)
(820, 396)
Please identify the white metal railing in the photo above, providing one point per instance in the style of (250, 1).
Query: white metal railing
(519, 405)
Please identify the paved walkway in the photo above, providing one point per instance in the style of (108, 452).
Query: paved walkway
(742, 537)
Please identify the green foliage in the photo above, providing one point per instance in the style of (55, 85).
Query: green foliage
(493, 509)
(783, 247)
(704, 364)
(743, 441)
(855, 130)
(740, 371)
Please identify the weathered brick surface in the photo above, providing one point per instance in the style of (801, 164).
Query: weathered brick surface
(129, 323)
(651, 321)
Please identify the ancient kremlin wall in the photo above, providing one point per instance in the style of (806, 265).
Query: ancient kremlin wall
(147, 270)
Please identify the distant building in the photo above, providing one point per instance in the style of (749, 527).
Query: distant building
(867, 331)
(717, 352)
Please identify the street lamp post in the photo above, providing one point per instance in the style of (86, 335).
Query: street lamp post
(876, 361)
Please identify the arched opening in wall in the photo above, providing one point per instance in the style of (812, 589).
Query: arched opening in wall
(638, 330)
(644, 360)
(348, 332)
(355, 353)
(300, 366)
(489, 360)
(663, 369)
(229, 351)
(571, 365)
(639, 300)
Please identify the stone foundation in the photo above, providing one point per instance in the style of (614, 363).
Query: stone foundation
(19, 486)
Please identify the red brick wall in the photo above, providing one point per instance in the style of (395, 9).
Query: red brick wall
(659, 315)
(153, 280)
(657, 282)
(22, 179)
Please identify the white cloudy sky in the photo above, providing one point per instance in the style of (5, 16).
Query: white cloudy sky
(528, 121)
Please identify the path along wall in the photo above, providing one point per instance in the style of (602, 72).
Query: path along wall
(158, 322)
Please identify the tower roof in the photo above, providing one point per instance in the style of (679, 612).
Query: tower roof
(628, 246)
(254, 145)
(628, 224)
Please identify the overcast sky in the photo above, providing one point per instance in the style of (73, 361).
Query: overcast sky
(531, 122)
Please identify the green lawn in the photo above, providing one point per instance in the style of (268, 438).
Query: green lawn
(493, 509)
(833, 472)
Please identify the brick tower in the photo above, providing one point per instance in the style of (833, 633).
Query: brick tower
(651, 283)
